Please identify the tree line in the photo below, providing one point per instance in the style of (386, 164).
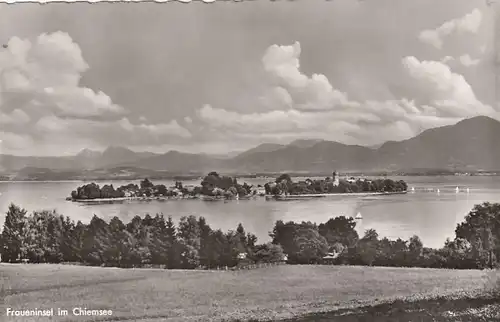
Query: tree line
(212, 184)
(145, 188)
(285, 185)
(476, 244)
(48, 237)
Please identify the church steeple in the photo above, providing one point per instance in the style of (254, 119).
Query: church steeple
(335, 178)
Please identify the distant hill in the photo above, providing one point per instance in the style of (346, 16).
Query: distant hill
(305, 143)
(118, 155)
(174, 161)
(262, 148)
(471, 145)
(9, 163)
(84, 160)
(324, 156)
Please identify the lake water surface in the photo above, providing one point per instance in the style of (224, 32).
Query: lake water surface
(431, 216)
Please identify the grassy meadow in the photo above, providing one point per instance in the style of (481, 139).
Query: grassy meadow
(280, 292)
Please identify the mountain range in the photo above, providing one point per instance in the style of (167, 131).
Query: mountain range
(469, 145)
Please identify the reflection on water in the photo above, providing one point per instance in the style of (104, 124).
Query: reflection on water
(430, 215)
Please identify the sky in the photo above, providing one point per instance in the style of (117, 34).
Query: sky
(227, 76)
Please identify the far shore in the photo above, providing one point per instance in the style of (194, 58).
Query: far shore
(113, 179)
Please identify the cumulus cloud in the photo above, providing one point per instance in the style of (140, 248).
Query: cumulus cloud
(445, 89)
(447, 59)
(467, 61)
(50, 69)
(16, 117)
(277, 97)
(188, 120)
(306, 93)
(311, 107)
(40, 82)
(469, 23)
(58, 131)
(117, 129)
(13, 142)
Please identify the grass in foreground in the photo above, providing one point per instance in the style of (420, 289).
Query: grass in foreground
(263, 294)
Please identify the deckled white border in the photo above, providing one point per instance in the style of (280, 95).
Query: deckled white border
(94, 1)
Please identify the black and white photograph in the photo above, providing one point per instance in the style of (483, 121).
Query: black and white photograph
(252, 160)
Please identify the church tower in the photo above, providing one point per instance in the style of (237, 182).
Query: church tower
(335, 178)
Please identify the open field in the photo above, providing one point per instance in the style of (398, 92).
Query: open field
(268, 293)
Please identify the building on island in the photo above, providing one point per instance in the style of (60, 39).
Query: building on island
(335, 178)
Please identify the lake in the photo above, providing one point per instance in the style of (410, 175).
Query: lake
(431, 216)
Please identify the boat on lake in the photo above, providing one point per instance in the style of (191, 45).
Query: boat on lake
(358, 216)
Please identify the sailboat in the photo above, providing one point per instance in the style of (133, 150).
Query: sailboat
(438, 191)
(457, 190)
(358, 216)
(468, 190)
(412, 189)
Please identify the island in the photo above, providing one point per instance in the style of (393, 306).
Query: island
(216, 187)
(213, 187)
(284, 188)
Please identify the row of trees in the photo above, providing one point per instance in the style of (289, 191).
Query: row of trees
(476, 243)
(145, 188)
(48, 237)
(285, 185)
(212, 185)
(223, 186)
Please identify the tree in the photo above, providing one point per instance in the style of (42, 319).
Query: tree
(12, 239)
(68, 245)
(161, 190)
(205, 247)
(173, 252)
(284, 234)
(96, 241)
(146, 184)
(189, 239)
(88, 191)
(268, 253)
(310, 245)
(120, 243)
(459, 254)
(415, 250)
(339, 230)
(35, 237)
(367, 247)
(481, 229)
(55, 237)
(222, 253)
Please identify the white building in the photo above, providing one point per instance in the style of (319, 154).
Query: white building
(335, 178)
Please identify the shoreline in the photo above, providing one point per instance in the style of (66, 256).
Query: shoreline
(267, 197)
(324, 195)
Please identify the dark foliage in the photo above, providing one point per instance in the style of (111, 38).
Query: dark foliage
(285, 185)
(47, 237)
